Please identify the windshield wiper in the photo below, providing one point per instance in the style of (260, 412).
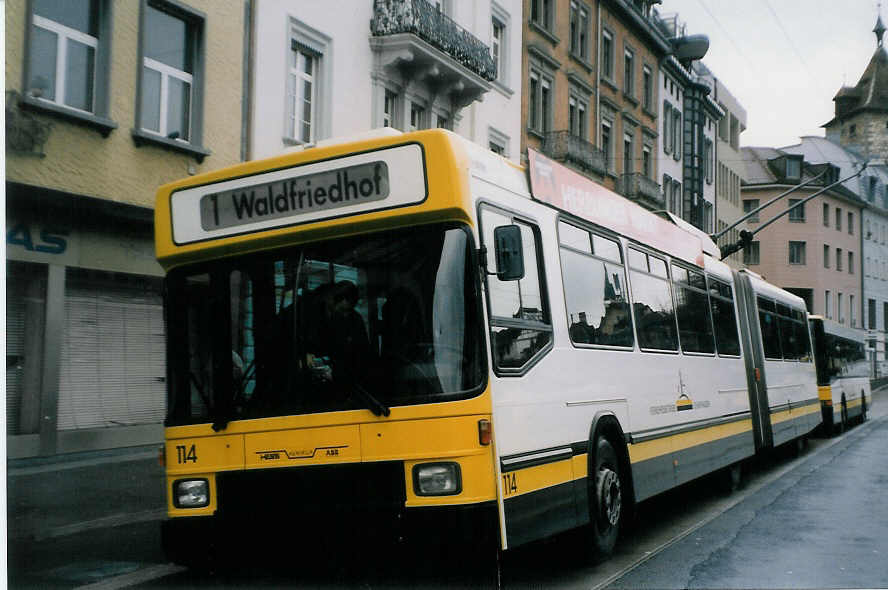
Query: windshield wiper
(374, 405)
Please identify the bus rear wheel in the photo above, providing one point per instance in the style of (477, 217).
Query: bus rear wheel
(844, 426)
(607, 508)
(862, 407)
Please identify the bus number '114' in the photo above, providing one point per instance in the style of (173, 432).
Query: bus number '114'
(510, 484)
(185, 454)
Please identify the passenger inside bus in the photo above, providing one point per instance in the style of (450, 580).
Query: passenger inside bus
(337, 347)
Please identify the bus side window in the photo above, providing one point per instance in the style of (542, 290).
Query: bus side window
(519, 315)
(652, 302)
(770, 331)
(594, 288)
(721, 300)
(693, 311)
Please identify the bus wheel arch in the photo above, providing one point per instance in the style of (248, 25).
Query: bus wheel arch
(611, 499)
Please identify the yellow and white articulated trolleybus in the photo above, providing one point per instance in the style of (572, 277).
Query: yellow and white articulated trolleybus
(842, 372)
(411, 336)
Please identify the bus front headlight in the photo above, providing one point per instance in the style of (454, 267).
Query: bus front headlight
(437, 479)
(191, 493)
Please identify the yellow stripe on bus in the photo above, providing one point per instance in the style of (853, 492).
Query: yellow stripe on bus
(793, 413)
(685, 440)
(824, 392)
(532, 479)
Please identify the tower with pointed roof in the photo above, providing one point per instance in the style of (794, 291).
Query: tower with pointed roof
(861, 111)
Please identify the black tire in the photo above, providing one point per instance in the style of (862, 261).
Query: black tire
(862, 407)
(844, 411)
(606, 509)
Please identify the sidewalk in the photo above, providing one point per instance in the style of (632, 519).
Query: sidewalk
(67, 494)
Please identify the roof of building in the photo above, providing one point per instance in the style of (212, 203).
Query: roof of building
(871, 91)
(759, 172)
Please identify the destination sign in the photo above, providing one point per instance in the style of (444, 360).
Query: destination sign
(302, 193)
(283, 198)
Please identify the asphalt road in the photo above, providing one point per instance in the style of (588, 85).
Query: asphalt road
(822, 525)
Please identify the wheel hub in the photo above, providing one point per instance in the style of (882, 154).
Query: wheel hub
(609, 495)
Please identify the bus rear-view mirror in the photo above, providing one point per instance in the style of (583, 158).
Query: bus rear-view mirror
(509, 253)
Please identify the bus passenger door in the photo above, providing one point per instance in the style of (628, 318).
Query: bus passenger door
(750, 336)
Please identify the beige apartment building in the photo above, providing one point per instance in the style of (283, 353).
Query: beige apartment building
(590, 80)
(814, 251)
(105, 101)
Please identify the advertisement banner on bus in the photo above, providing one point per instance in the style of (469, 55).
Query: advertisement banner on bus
(555, 184)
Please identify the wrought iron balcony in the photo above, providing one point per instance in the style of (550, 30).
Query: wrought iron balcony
(574, 150)
(418, 17)
(637, 186)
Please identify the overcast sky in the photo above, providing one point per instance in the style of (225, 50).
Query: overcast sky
(784, 60)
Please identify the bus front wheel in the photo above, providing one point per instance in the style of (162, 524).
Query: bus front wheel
(607, 498)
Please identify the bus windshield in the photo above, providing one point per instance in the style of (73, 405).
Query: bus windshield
(371, 321)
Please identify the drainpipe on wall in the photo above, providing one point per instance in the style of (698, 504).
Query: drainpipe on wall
(247, 83)
(598, 83)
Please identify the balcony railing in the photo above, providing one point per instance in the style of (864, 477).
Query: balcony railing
(562, 146)
(391, 17)
(635, 185)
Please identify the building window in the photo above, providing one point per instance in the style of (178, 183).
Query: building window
(389, 109)
(838, 219)
(871, 314)
(66, 41)
(629, 72)
(497, 142)
(607, 144)
(850, 263)
(541, 13)
(500, 35)
(170, 42)
(797, 211)
(850, 223)
(628, 154)
(647, 92)
(540, 102)
(751, 254)
(497, 47)
(838, 259)
(827, 305)
(825, 256)
(607, 54)
(442, 121)
(751, 205)
(675, 204)
(417, 117)
(676, 134)
(709, 154)
(667, 127)
(302, 101)
(646, 161)
(579, 26)
(797, 252)
(793, 168)
(825, 215)
(577, 118)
